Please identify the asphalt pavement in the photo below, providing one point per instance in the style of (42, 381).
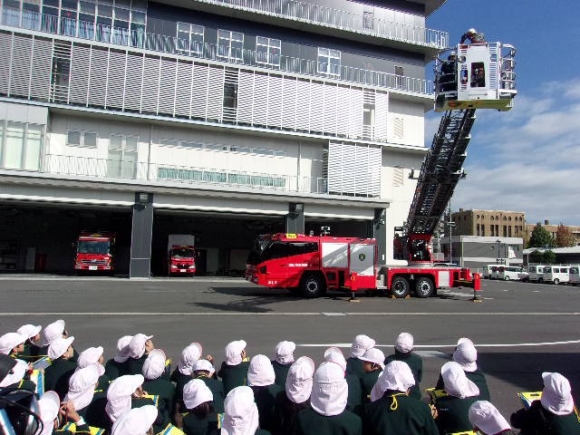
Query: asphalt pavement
(519, 329)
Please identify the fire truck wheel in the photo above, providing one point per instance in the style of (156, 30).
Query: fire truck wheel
(400, 287)
(424, 287)
(312, 286)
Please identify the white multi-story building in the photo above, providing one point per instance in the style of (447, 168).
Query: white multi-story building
(219, 118)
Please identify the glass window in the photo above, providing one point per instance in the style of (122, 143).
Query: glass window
(33, 147)
(90, 139)
(14, 145)
(477, 75)
(69, 5)
(73, 138)
(190, 38)
(122, 161)
(230, 45)
(268, 51)
(329, 61)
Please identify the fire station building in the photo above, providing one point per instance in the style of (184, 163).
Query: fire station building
(219, 118)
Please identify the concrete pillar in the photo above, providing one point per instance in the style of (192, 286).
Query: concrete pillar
(378, 231)
(295, 218)
(141, 236)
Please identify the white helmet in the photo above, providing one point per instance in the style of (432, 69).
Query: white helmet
(471, 31)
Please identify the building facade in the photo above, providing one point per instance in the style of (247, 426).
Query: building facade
(489, 223)
(553, 230)
(223, 119)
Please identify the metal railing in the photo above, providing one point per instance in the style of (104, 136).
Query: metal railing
(332, 17)
(139, 38)
(149, 173)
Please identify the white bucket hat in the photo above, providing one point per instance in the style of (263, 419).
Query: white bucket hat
(136, 421)
(234, 352)
(189, 356)
(53, 331)
(16, 374)
(360, 345)
(29, 330)
(375, 356)
(90, 357)
(10, 340)
(59, 346)
(49, 405)
(456, 382)
(119, 395)
(335, 355)
(261, 372)
(404, 343)
(465, 355)
(137, 345)
(81, 386)
(300, 380)
(196, 392)
(285, 352)
(123, 350)
(397, 376)
(241, 413)
(203, 365)
(329, 390)
(557, 394)
(483, 415)
(154, 365)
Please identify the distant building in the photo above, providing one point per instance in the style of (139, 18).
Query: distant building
(489, 223)
(552, 229)
(474, 252)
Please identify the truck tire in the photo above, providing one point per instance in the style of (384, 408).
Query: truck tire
(400, 287)
(556, 281)
(313, 286)
(507, 278)
(424, 287)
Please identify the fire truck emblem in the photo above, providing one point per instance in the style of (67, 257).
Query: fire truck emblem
(362, 257)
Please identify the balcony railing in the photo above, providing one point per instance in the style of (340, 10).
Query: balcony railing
(332, 17)
(139, 38)
(150, 173)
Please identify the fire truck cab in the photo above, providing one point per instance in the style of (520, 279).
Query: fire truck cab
(95, 252)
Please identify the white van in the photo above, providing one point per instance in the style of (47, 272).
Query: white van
(507, 273)
(575, 275)
(486, 270)
(536, 272)
(494, 271)
(556, 274)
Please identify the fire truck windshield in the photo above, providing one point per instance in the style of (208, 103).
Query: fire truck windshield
(183, 253)
(94, 247)
(258, 246)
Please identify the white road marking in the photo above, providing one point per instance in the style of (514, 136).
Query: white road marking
(282, 314)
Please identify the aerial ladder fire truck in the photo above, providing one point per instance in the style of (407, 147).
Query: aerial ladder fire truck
(472, 76)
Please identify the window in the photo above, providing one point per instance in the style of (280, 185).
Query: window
(477, 75)
(268, 51)
(368, 20)
(329, 62)
(230, 45)
(190, 38)
(399, 76)
(20, 145)
(122, 161)
(82, 139)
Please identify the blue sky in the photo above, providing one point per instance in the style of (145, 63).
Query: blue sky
(527, 159)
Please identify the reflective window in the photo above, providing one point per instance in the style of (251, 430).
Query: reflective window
(230, 45)
(268, 51)
(329, 61)
(190, 38)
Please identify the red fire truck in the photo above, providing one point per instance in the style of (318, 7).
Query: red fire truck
(95, 252)
(475, 76)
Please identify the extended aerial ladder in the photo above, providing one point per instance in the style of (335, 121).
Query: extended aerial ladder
(478, 76)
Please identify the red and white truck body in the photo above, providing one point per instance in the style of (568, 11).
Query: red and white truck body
(95, 251)
(181, 254)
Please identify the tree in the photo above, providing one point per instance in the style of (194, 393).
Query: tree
(564, 236)
(541, 238)
(537, 257)
(548, 257)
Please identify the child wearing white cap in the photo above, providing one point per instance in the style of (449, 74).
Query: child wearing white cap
(204, 371)
(57, 375)
(327, 414)
(234, 370)
(241, 413)
(12, 344)
(404, 352)
(200, 415)
(15, 377)
(355, 393)
(51, 332)
(94, 356)
(138, 349)
(372, 364)
(283, 360)
(122, 393)
(50, 408)
(453, 409)
(88, 401)
(487, 420)
(261, 379)
(155, 384)
(118, 366)
(359, 346)
(392, 410)
(183, 373)
(32, 344)
(136, 421)
(554, 414)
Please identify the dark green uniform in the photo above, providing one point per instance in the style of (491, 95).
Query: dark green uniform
(135, 365)
(312, 423)
(368, 381)
(265, 398)
(354, 402)
(415, 363)
(478, 378)
(31, 352)
(452, 414)
(287, 412)
(95, 414)
(195, 425)
(180, 380)
(354, 366)
(281, 371)
(114, 369)
(536, 420)
(217, 389)
(166, 392)
(57, 375)
(233, 376)
(407, 416)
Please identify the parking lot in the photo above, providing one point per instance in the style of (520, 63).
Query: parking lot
(520, 329)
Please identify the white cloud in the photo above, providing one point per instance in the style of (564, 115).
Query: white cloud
(527, 159)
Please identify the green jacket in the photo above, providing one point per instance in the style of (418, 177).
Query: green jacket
(478, 378)
(354, 366)
(312, 423)
(57, 375)
(234, 376)
(452, 414)
(281, 371)
(397, 413)
(114, 369)
(368, 381)
(536, 420)
(166, 392)
(194, 425)
(217, 389)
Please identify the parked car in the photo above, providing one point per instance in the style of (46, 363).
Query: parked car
(556, 274)
(507, 273)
